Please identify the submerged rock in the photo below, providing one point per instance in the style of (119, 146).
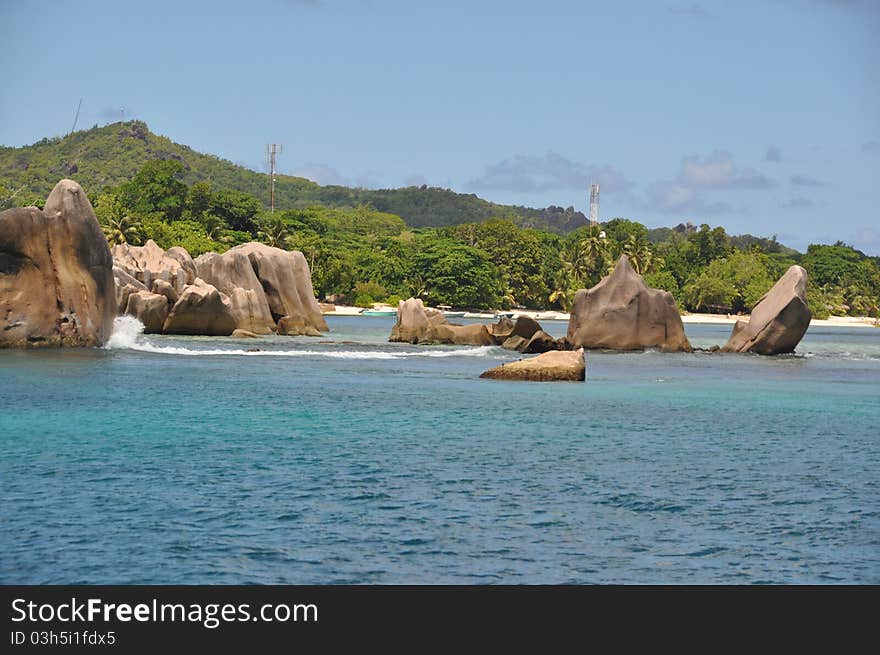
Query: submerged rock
(56, 274)
(778, 321)
(558, 365)
(622, 313)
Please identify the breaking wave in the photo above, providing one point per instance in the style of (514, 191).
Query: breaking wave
(128, 335)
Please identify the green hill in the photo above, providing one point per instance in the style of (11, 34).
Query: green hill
(112, 154)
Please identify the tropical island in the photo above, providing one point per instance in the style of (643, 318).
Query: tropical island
(381, 246)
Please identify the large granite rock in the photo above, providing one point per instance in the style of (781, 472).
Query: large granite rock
(149, 262)
(233, 274)
(287, 283)
(557, 365)
(779, 319)
(622, 313)
(151, 309)
(56, 274)
(201, 310)
(416, 324)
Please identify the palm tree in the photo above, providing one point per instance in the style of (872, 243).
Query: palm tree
(274, 231)
(121, 228)
(213, 226)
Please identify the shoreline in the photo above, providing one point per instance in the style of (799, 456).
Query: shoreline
(695, 318)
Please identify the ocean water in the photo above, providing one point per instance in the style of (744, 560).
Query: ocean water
(347, 459)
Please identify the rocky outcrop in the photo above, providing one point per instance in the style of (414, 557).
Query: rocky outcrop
(286, 281)
(622, 313)
(416, 324)
(56, 274)
(549, 367)
(779, 320)
(149, 262)
(264, 289)
(233, 274)
(151, 309)
(202, 310)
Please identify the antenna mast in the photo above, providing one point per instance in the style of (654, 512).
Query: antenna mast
(272, 149)
(594, 204)
(76, 118)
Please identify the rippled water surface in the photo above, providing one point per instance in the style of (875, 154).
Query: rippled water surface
(349, 459)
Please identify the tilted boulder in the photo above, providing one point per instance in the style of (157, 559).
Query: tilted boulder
(296, 326)
(151, 309)
(201, 310)
(233, 274)
(286, 281)
(56, 274)
(779, 319)
(149, 262)
(557, 365)
(622, 313)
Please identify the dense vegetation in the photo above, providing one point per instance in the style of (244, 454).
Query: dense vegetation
(475, 254)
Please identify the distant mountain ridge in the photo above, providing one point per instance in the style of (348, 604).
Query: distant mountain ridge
(112, 154)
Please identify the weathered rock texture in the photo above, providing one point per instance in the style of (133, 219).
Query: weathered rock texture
(622, 313)
(233, 274)
(549, 367)
(151, 309)
(779, 319)
(201, 309)
(56, 274)
(262, 289)
(416, 324)
(287, 283)
(149, 262)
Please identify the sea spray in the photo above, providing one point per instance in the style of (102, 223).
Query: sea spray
(128, 335)
(126, 331)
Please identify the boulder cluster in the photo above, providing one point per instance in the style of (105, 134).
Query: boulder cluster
(251, 289)
(419, 324)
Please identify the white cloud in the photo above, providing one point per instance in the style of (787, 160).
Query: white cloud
(529, 173)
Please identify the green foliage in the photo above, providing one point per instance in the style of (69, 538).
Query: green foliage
(448, 248)
(367, 293)
(456, 274)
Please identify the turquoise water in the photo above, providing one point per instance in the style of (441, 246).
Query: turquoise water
(191, 460)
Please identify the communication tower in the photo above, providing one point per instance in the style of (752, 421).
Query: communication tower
(272, 149)
(594, 204)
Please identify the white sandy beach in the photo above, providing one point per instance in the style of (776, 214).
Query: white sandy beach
(833, 321)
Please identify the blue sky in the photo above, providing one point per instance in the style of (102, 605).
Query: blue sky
(762, 116)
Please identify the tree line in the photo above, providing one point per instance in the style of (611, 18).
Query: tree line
(360, 255)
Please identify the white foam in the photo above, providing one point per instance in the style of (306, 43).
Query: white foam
(128, 332)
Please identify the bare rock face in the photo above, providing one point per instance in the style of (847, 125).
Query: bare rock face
(56, 274)
(125, 285)
(296, 326)
(233, 274)
(286, 281)
(557, 365)
(622, 313)
(779, 320)
(416, 324)
(201, 310)
(151, 309)
(164, 288)
(149, 262)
